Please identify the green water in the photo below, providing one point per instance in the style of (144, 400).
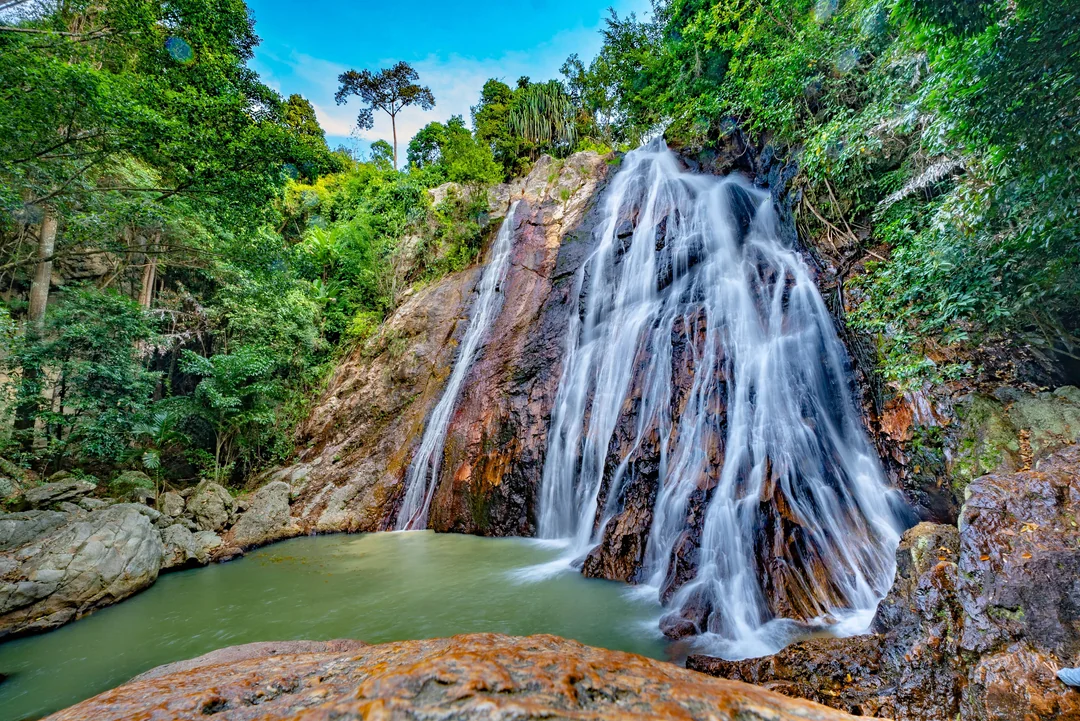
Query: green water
(380, 587)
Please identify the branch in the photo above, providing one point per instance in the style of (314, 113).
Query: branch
(93, 34)
(840, 212)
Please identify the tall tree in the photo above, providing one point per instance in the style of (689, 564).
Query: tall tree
(389, 90)
(299, 114)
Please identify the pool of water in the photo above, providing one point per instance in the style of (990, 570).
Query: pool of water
(379, 587)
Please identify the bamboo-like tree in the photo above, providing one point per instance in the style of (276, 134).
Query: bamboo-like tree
(543, 113)
(389, 90)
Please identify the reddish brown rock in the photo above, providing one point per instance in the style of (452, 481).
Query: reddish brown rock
(363, 432)
(497, 436)
(482, 676)
(977, 623)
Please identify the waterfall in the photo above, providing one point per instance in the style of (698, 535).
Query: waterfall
(702, 357)
(422, 477)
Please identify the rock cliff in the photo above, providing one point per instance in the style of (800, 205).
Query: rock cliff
(363, 431)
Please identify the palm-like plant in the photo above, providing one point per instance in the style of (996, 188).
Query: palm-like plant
(156, 434)
(543, 113)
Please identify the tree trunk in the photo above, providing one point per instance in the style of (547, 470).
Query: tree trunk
(26, 413)
(393, 125)
(39, 289)
(149, 276)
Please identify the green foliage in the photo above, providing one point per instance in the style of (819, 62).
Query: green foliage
(233, 402)
(946, 131)
(491, 123)
(450, 153)
(382, 155)
(91, 354)
(544, 114)
(157, 436)
(256, 254)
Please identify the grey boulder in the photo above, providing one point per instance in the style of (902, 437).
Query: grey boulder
(181, 548)
(69, 569)
(171, 504)
(266, 518)
(53, 493)
(210, 507)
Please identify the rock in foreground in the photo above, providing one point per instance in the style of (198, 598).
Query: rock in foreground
(480, 676)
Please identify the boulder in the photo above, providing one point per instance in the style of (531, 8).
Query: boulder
(206, 542)
(977, 622)
(480, 676)
(53, 493)
(266, 518)
(181, 549)
(18, 529)
(171, 504)
(440, 193)
(9, 488)
(93, 504)
(70, 569)
(210, 507)
(132, 486)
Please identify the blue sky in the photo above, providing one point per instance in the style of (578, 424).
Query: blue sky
(455, 45)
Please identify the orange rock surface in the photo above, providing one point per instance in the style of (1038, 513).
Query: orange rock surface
(479, 676)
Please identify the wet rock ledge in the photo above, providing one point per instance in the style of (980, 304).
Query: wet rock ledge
(979, 619)
(480, 676)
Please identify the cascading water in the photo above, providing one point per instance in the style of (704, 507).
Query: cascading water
(422, 478)
(702, 354)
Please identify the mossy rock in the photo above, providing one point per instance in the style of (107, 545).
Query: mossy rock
(1012, 429)
(129, 483)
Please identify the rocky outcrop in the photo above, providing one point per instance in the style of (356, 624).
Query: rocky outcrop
(211, 507)
(51, 494)
(266, 518)
(57, 567)
(978, 621)
(483, 676)
(181, 548)
(362, 433)
(939, 440)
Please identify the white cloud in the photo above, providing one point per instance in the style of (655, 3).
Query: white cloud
(455, 81)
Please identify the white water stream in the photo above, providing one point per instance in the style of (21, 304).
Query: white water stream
(422, 477)
(768, 416)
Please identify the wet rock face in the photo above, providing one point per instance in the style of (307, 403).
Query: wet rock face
(484, 676)
(365, 429)
(54, 572)
(497, 437)
(938, 442)
(977, 622)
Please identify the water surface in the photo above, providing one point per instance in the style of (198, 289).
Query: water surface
(380, 587)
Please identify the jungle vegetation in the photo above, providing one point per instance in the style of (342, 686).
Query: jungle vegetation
(182, 256)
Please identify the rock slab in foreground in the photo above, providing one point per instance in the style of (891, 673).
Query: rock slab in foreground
(480, 676)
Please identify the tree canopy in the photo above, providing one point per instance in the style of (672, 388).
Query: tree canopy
(389, 90)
